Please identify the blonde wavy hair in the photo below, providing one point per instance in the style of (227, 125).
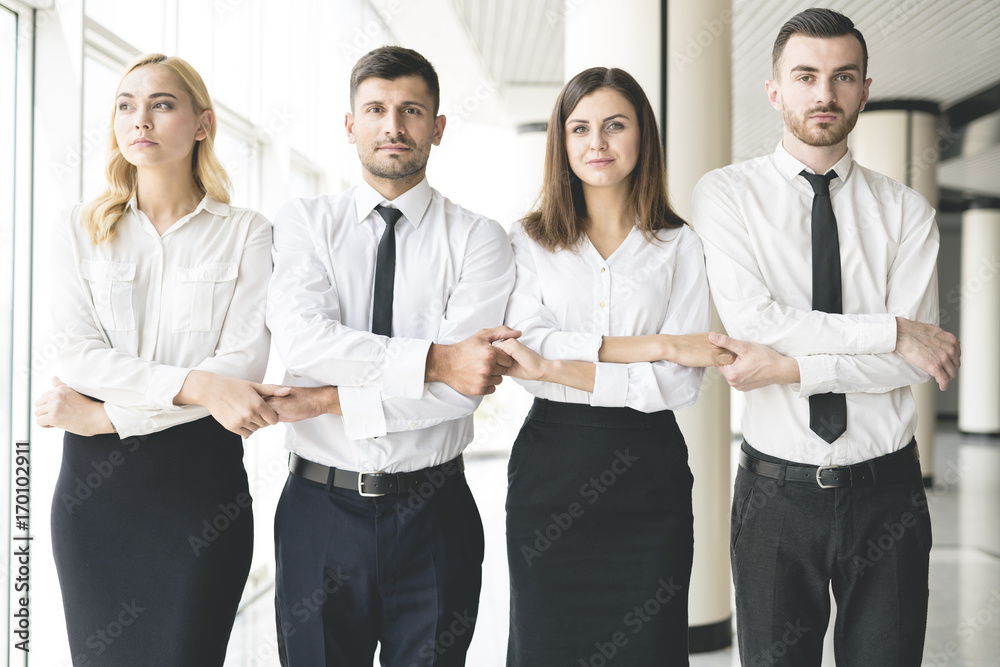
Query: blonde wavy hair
(100, 217)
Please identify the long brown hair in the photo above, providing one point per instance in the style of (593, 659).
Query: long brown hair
(557, 220)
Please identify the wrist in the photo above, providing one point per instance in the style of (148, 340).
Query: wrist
(434, 369)
(666, 349)
(330, 401)
(194, 388)
(790, 371)
(100, 423)
(550, 370)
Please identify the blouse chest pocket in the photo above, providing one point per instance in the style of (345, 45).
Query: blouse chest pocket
(203, 296)
(111, 287)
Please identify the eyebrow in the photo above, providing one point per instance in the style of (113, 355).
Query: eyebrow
(810, 68)
(152, 96)
(404, 103)
(617, 115)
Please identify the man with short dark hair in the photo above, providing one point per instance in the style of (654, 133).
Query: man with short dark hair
(374, 306)
(824, 273)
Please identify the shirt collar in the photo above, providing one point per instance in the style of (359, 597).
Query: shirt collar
(790, 167)
(207, 203)
(413, 203)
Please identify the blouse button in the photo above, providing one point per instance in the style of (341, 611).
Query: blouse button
(602, 304)
(603, 269)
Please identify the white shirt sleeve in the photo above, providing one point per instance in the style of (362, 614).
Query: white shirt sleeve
(747, 307)
(244, 341)
(527, 312)
(664, 385)
(88, 362)
(303, 314)
(912, 294)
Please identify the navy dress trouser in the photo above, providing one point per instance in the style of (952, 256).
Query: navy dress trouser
(353, 572)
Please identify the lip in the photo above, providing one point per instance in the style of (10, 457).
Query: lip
(600, 162)
(394, 148)
(143, 142)
(824, 118)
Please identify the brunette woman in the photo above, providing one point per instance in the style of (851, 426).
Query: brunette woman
(610, 293)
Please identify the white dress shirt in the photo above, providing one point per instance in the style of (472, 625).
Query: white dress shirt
(565, 302)
(142, 310)
(755, 219)
(454, 271)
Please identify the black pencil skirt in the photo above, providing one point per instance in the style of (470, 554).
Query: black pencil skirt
(600, 538)
(152, 537)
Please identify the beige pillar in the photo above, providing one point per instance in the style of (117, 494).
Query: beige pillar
(979, 320)
(699, 121)
(899, 141)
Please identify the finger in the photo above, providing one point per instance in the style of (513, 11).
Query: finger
(718, 339)
(497, 333)
(268, 415)
(501, 358)
(265, 390)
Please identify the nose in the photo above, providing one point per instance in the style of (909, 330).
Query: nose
(597, 141)
(143, 118)
(393, 123)
(824, 92)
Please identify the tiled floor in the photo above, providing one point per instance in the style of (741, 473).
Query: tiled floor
(964, 618)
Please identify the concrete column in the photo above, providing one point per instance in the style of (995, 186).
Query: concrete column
(697, 65)
(979, 320)
(898, 140)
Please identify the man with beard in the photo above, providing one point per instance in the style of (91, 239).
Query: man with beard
(374, 306)
(824, 273)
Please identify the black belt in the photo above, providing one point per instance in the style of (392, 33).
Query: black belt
(896, 467)
(376, 483)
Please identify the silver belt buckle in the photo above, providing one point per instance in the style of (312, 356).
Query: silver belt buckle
(361, 484)
(819, 476)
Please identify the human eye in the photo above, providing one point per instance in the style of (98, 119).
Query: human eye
(163, 106)
(845, 77)
(373, 109)
(615, 125)
(413, 111)
(579, 129)
(805, 78)
(123, 106)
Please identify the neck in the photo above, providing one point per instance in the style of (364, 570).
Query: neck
(391, 188)
(608, 208)
(166, 197)
(818, 158)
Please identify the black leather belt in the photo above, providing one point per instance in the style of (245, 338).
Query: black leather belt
(377, 483)
(896, 467)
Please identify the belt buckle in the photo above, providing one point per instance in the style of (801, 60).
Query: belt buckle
(361, 483)
(819, 476)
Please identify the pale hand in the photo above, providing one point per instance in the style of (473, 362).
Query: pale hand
(63, 407)
(473, 366)
(756, 365)
(305, 403)
(929, 348)
(528, 364)
(237, 404)
(697, 351)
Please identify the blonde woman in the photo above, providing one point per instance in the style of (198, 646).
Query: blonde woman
(161, 286)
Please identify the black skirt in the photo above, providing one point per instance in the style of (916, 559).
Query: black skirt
(152, 537)
(600, 538)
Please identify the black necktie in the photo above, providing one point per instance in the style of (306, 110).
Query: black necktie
(385, 272)
(827, 412)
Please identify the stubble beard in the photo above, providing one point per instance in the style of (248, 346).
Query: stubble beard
(825, 134)
(395, 167)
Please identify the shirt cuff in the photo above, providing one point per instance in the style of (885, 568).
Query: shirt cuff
(610, 385)
(125, 421)
(817, 374)
(164, 385)
(405, 367)
(879, 335)
(362, 410)
(571, 346)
